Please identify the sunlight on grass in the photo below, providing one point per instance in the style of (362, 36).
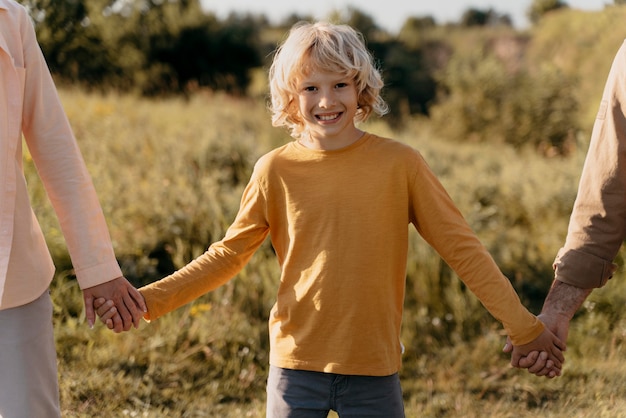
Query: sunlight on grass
(170, 174)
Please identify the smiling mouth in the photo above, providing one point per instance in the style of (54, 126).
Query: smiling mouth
(329, 117)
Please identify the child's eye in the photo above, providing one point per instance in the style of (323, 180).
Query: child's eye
(341, 85)
(310, 88)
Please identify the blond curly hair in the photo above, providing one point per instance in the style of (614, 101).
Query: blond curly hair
(322, 46)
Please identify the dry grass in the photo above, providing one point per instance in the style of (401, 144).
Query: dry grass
(164, 171)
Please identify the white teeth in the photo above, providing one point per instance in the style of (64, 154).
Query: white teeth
(328, 117)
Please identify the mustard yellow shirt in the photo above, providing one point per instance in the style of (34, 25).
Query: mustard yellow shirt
(339, 223)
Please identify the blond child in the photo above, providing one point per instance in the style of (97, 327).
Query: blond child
(336, 202)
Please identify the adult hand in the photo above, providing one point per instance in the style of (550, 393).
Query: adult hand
(128, 302)
(539, 363)
(550, 349)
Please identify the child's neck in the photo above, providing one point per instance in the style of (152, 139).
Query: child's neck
(330, 144)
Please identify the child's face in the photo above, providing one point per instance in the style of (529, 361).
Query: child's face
(328, 103)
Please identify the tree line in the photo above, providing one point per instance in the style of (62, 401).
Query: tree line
(159, 47)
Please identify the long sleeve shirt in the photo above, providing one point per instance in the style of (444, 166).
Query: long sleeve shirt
(597, 226)
(30, 109)
(339, 223)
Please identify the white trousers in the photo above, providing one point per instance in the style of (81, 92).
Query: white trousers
(29, 386)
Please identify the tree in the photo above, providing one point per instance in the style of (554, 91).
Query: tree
(217, 56)
(489, 103)
(153, 46)
(362, 22)
(540, 8)
(414, 29)
(71, 44)
(489, 17)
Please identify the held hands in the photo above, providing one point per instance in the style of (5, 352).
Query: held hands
(125, 305)
(545, 361)
(106, 311)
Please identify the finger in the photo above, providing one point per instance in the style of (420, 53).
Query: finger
(515, 358)
(89, 313)
(104, 308)
(125, 313)
(553, 373)
(508, 346)
(540, 364)
(118, 323)
(556, 357)
(141, 305)
(558, 353)
(560, 344)
(529, 360)
(550, 370)
(98, 302)
(108, 314)
(135, 310)
(139, 299)
(541, 372)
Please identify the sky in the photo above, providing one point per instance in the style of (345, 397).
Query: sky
(390, 14)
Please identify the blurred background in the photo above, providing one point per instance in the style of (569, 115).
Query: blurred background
(168, 101)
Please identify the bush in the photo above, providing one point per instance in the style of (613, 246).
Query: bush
(483, 101)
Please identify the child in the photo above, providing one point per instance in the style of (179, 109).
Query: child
(336, 203)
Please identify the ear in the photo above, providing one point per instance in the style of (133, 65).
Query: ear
(293, 111)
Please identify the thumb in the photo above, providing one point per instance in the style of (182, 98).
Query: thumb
(508, 346)
(89, 312)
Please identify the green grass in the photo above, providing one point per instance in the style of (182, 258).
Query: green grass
(173, 170)
(170, 172)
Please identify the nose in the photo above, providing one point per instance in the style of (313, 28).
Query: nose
(327, 98)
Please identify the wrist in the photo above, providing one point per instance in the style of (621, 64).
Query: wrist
(563, 300)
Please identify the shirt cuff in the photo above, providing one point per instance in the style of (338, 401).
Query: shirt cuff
(583, 270)
(98, 274)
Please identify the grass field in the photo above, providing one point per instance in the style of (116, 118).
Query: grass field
(171, 171)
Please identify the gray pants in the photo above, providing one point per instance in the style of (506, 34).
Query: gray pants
(29, 385)
(306, 394)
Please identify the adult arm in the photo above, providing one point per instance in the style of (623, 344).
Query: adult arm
(597, 225)
(561, 304)
(60, 165)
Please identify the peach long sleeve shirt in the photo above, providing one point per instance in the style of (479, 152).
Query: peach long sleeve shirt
(339, 223)
(597, 225)
(30, 108)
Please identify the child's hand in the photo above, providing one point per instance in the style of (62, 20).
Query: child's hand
(538, 364)
(106, 311)
(543, 356)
